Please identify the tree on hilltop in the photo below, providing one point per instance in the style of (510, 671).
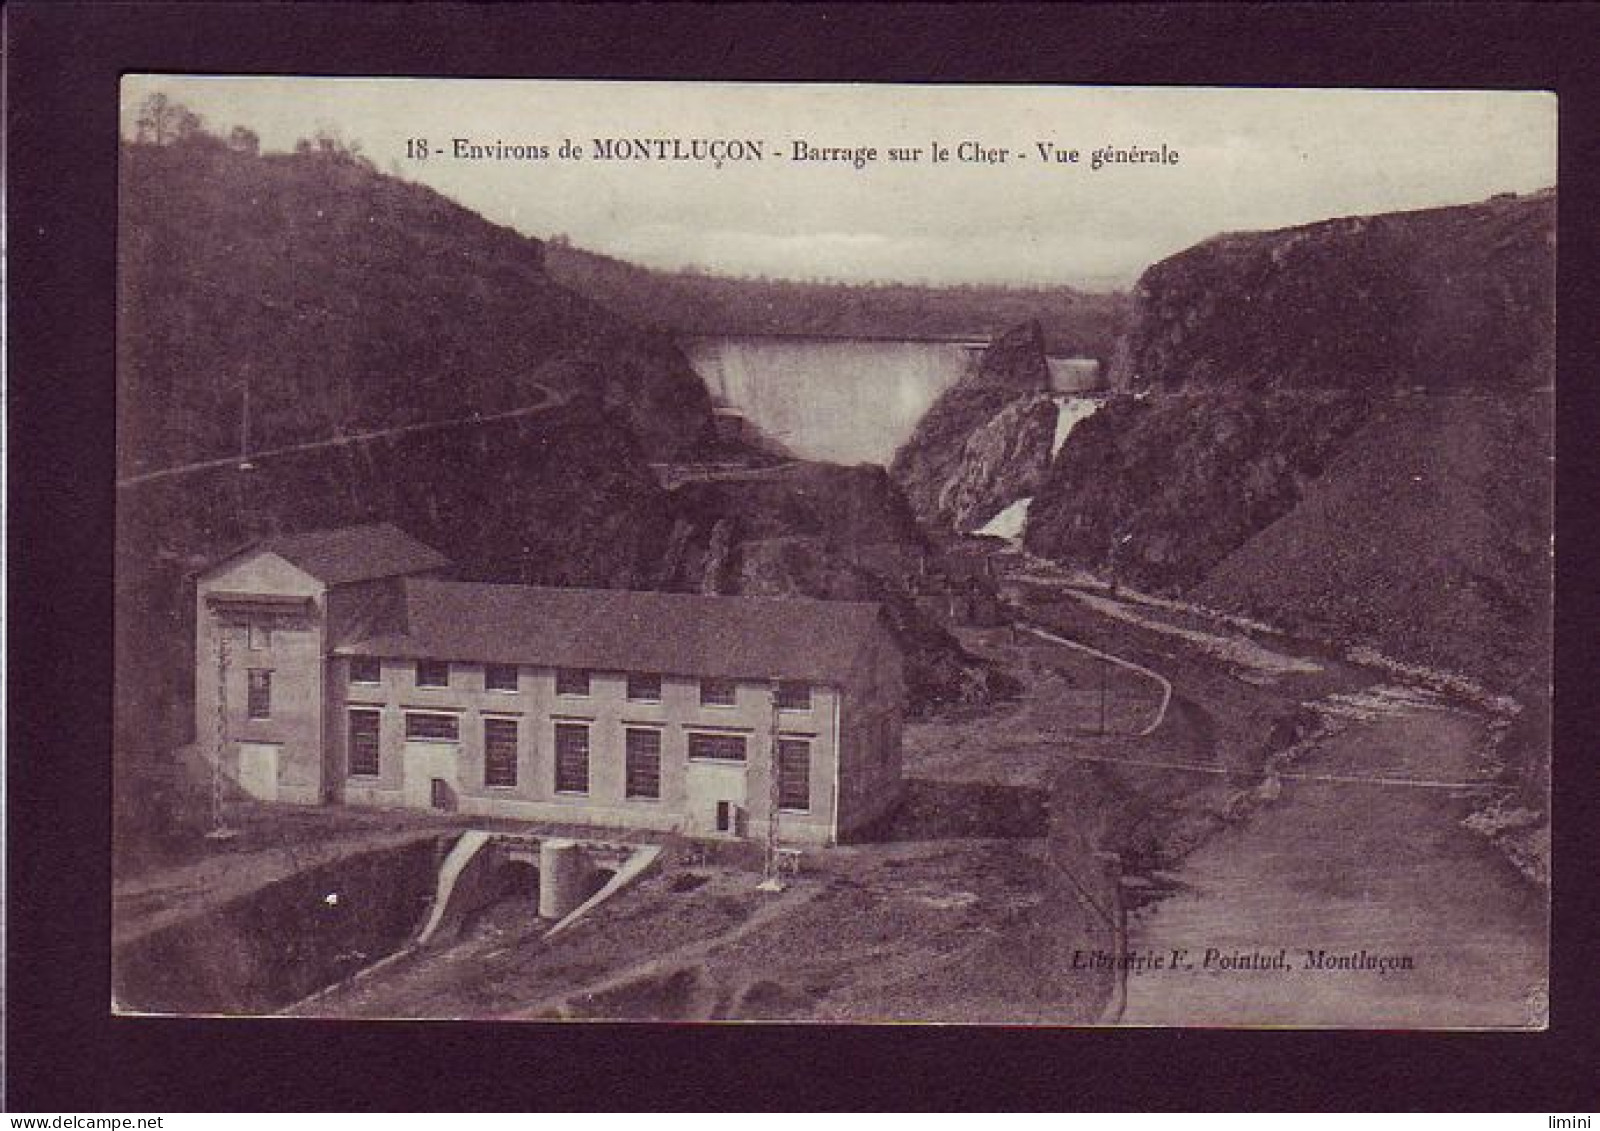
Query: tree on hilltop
(162, 121)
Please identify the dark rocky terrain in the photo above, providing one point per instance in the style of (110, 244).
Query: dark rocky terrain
(1176, 484)
(1343, 428)
(986, 442)
(1428, 536)
(1443, 298)
(822, 530)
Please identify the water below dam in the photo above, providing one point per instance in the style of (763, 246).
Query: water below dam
(846, 400)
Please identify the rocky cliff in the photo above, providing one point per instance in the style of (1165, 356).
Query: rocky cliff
(823, 530)
(1344, 427)
(986, 442)
(1173, 485)
(1444, 298)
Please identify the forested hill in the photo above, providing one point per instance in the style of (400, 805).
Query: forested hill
(349, 301)
(688, 302)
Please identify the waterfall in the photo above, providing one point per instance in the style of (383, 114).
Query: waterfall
(1008, 524)
(847, 400)
(1070, 412)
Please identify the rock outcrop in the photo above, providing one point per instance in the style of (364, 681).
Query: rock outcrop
(1004, 460)
(940, 674)
(1343, 428)
(840, 533)
(1444, 298)
(1172, 486)
(986, 442)
(846, 506)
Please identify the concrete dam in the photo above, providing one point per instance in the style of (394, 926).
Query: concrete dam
(846, 400)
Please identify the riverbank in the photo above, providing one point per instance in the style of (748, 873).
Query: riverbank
(1315, 862)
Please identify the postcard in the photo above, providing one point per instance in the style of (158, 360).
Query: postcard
(1070, 556)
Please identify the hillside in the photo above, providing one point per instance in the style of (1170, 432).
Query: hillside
(688, 302)
(1343, 428)
(1428, 535)
(1445, 298)
(1178, 483)
(348, 301)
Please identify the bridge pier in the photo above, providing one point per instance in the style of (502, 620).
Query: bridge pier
(564, 870)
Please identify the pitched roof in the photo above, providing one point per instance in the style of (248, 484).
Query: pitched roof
(621, 630)
(355, 553)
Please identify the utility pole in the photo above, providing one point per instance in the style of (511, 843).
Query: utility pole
(1104, 676)
(770, 879)
(1117, 542)
(244, 426)
(219, 829)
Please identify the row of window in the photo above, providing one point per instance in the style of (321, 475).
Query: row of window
(641, 748)
(713, 692)
(644, 687)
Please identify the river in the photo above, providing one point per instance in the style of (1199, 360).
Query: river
(1334, 886)
(1362, 857)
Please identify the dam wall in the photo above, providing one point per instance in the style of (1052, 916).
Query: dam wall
(845, 400)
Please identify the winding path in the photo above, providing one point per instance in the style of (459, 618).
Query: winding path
(1107, 657)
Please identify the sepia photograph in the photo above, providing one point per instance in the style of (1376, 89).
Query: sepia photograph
(833, 553)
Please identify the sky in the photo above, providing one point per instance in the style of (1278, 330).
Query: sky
(1247, 159)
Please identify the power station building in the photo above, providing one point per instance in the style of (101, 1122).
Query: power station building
(342, 667)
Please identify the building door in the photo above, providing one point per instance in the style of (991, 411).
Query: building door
(425, 764)
(258, 770)
(716, 799)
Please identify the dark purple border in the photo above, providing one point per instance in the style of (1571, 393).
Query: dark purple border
(64, 1054)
